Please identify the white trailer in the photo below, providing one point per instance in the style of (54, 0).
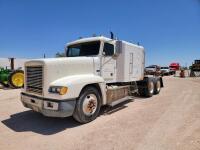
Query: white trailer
(96, 71)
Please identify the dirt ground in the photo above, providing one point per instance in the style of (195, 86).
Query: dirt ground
(168, 121)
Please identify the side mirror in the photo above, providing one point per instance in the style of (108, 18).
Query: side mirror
(118, 49)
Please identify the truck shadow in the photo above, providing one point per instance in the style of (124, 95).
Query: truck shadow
(108, 110)
(35, 122)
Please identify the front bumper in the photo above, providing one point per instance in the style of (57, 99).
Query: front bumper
(49, 107)
(165, 72)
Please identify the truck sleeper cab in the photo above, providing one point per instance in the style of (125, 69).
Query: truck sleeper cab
(96, 71)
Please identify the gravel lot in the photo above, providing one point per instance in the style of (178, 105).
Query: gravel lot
(168, 121)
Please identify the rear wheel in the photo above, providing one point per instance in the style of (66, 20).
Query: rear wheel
(147, 88)
(88, 105)
(16, 79)
(157, 87)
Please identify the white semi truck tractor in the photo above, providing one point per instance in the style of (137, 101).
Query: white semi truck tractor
(96, 71)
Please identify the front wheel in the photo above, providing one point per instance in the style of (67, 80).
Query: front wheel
(88, 105)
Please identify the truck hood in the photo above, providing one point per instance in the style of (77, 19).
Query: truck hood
(57, 68)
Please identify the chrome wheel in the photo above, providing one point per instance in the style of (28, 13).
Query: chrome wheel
(158, 85)
(90, 104)
(151, 87)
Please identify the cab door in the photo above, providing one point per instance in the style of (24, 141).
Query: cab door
(108, 63)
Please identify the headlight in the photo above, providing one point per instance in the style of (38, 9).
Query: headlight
(59, 90)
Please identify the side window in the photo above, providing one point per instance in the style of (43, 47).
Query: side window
(108, 49)
(73, 52)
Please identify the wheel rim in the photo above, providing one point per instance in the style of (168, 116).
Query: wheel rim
(18, 79)
(90, 105)
(158, 86)
(151, 87)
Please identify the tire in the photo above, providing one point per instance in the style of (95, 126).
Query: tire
(16, 79)
(149, 89)
(157, 87)
(141, 91)
(88, 105)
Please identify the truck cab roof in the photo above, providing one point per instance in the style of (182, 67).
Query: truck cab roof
(89, 39)
(99, 38)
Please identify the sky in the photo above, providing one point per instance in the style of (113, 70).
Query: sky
(169, 30)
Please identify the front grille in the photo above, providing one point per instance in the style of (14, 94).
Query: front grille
(34, 79)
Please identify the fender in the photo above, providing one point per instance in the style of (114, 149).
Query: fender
(76, 83)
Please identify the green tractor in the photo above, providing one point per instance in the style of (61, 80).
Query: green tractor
(12, 78)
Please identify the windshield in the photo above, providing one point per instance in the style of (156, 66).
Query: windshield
(151, 67)
(164, 67)
(83, 49)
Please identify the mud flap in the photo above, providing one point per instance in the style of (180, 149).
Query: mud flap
(161, 82)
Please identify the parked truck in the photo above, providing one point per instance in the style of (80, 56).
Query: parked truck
(165, 71)
(174, 67)
(153, 70)
(96, 71)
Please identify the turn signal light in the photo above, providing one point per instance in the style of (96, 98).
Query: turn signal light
(59, 90)
(63, 90)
